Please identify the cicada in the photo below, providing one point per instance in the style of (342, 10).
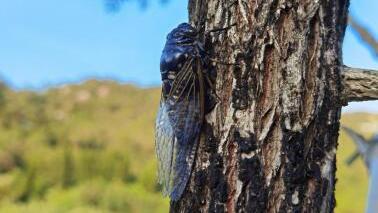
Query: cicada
(182, 108)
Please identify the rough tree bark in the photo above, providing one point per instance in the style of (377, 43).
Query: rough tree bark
(269, 145)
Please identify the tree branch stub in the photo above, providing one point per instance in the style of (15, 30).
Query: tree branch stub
(359, 84)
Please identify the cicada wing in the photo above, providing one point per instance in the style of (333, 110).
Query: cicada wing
(187, 132)
(177, 130)
(164, 145)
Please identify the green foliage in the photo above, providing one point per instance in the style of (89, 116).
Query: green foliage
(79, 148)
(68, 168)
(3, 90)
(89, 148)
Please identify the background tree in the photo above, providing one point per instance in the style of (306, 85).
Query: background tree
(365, 35)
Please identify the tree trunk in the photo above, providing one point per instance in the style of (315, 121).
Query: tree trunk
(269, 145)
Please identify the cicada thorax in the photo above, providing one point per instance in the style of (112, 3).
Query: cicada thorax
(179, 76)
(178, 61)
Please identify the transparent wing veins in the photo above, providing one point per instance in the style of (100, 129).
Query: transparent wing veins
(178, 126)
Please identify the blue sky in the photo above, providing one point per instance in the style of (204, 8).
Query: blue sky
(48, 42)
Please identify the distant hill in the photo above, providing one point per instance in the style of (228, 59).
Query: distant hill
(89, 148)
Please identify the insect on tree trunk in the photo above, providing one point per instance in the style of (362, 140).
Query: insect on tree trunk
(270, 143)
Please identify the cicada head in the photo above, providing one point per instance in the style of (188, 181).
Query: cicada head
(183, 34)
